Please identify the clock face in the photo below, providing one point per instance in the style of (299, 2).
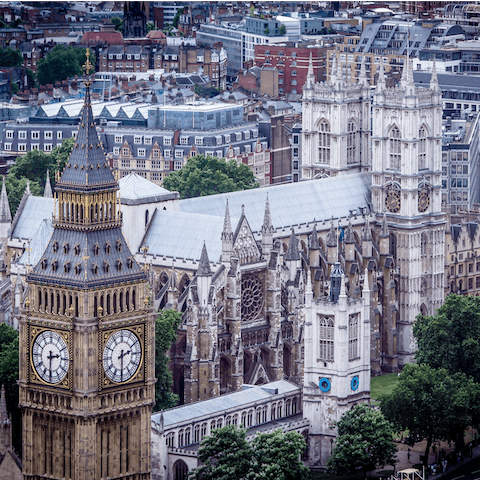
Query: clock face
(392, 201)
(122, 356)
(50, 357)
(423, 200)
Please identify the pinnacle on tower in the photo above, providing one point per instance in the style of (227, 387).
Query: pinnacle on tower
(335, 282)
(47, 193)
(314, 245)
(367, 231)
(227, 233)
(333, 70)
(349, 238)
(384, 228)
(267, 227)
(331, 236)
(434, 79)
(310, 73)
(204, 264)
(292, 252)
(366, 286)
(362, 77)
(5, 214)
(27, 189)
(381, 84)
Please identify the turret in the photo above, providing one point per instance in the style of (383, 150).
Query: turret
(332, 244)
(204, 277)
(349, 243)
(267, 230)
(335, 282)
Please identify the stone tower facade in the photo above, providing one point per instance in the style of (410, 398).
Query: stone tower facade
(135, 17)
(87, 333)
(335, 124)
(337, 360)
(406, 186)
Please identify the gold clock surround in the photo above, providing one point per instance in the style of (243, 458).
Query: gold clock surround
(423, 200)
(393, 200)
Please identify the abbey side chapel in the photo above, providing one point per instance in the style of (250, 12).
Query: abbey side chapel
(86, 333)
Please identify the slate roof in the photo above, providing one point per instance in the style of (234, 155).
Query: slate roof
(290, 204)
(216, 406)
(136, 190)
(36, 209)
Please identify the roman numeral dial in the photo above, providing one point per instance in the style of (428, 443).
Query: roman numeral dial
(122, 356)
(50, 357)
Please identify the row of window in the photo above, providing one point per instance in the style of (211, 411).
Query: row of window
(119, 56)
(327, 338)
(34, 135)
(22, 147)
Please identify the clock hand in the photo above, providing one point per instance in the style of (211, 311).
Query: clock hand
(120, 357)
(50, 358)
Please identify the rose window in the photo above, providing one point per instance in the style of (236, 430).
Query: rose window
(252, 297)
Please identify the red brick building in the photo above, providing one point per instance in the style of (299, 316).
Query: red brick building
(292, 64)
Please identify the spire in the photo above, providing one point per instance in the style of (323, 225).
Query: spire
(384, 228)
(310, 73)
(343, 290)
(349, 238)
(381, 84)
(47, 193)
(434, 80)
(367, 231)
(333, 70)
(267, 227)
(204, 264)
(331, 236)
(314, 245)
(3, 406)
(366, 286)
(292, 253)
(362, 77)
(5, 215)
(227, 233)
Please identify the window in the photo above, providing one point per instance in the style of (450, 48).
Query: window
(125, 163)
(293, 63)
(422, 149)
(59, 135)
(141, 152)
(116, 150)
(22, 135)
(166, 153)
(137, 139)
(167, 140)
(8, 146)
(118, 138)
(219, 153)
(48, 135)
(125, 151)
(326, 339)
(178, 154)
(294, 73)
(178, 165)
(34, 146)
(9, 134)
(22, 147)
(198, 140)
(140, 163)
(324, 142)
(47, 147)
(35, 135)
(183, 140)
(147, 140)
(353, 337)
(395, 152)
(351, 141)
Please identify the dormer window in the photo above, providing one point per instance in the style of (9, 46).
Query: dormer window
(95, 269)
(54, 265)
(130, 263)
(66, 267)
(107, 248)
(43, 263)
(96, 249)
(106, 267)
(78, 268)
(65, 248)
(119, 265)
(55, 246)
(76, 249)
(119, 245)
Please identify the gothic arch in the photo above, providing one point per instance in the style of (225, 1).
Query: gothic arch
(393, 245)
(184, 283)
(161, 281)
(287, 360)
(225, 373)
(394, 147)
(180, 470)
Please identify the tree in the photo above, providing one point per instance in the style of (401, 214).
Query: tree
(206, 92)
(227, 455)
(450, 339)
(118, 22)
(61, 63)
(282, 30)
(432, 404)
(16, 188)
(9, 372)
(176, 18)
(151, 26)
(10, 57)
(277, 456)
(165, 334)
(206, 175)
(365, 440)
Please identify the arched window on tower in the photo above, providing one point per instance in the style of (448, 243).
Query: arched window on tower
(327, 329)
(422, 149)
(324, 142)
(395, 151)
(351, 143)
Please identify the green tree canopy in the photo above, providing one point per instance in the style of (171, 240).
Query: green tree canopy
(33, 166)
(432, 404)
(227, 455)
(10, 57)
(118, 22)
(365, 440)
(151, 26)
(9, 372)
(282, 30)
(176, 18)
(165, 334)
(206, 175)
(61, 63)
(450, 339)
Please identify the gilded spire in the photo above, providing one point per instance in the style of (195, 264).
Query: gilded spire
(47, 193)
(5, 214)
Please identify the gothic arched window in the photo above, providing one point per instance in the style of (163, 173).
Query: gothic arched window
(422, 149)
(324, 142)
(327, 329)
(351, 143)
(395, 151)
(353, 337)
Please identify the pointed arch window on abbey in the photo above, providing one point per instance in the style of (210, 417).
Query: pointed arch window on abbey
(326, 335)
(395, 149)
(353, 337)
(96, 249)
(76, 249)
(422, 149)
(324, 142)
(351, 143)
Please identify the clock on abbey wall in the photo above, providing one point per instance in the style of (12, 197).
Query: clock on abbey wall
(122, 356)
(423, 200)
(393, 199)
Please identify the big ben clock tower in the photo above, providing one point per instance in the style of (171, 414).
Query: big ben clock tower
(87, 333)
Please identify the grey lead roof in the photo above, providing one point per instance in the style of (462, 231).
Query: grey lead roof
(290, 204)
(135, 190)
(224, 403)
(36, 209)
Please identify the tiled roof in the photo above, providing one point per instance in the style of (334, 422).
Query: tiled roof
(110, 38)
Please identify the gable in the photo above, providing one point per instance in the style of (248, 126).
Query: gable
(244, 245)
